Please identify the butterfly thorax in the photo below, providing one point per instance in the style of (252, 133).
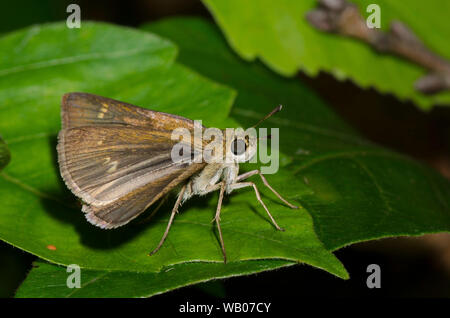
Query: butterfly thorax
(210, 175)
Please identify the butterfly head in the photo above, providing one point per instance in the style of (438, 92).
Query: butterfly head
(242, 145)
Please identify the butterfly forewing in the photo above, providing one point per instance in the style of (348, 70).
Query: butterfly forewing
(117, 157)
(104, 163)
(83, 109)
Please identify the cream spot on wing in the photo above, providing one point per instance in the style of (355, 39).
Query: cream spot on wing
(100, 142)
(113, 167)
(103, 110)
(107, 159)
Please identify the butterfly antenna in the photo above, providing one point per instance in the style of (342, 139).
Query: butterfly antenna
(275, 110)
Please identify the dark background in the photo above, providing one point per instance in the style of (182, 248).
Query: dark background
(410, 267)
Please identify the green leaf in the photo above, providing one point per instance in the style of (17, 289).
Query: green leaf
(318, 143)
(354, 189)
(345, 200)
(39, 215)
(4, 154)
(49, 281)
(277, 33)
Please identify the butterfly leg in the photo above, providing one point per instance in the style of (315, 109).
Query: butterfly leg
(212, 188)
(174, 211)
(240, 185)
(264, 180)
(217, 219)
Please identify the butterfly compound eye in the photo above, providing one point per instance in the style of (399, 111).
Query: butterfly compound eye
(238, 147)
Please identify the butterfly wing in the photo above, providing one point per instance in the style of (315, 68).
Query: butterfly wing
(83, 109)
(121, 163)
(131, 205)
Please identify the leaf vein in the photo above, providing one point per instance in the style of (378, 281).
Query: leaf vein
(70, 60)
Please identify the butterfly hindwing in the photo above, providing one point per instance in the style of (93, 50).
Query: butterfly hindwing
(130, 206)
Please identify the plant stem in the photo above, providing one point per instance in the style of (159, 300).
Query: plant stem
(344, 18)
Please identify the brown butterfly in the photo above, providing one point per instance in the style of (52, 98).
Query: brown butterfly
(117, 158)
